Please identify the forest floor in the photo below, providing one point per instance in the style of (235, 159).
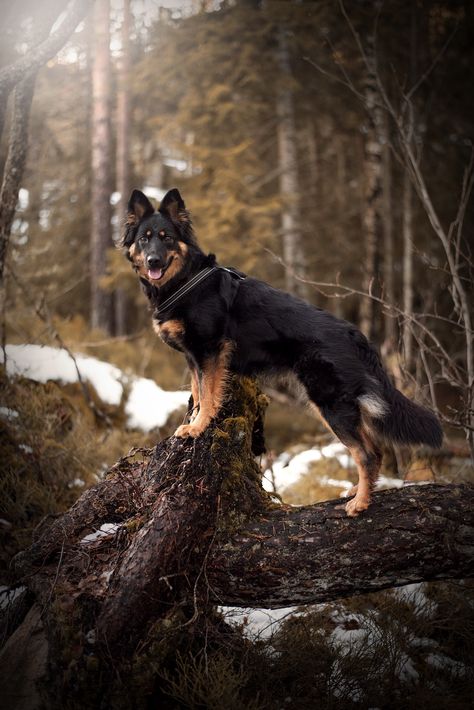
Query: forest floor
(408, 647)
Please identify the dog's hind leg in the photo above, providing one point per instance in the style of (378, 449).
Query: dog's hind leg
(368, 459)
(344, 420)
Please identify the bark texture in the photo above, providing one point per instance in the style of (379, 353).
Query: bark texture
(195, 528)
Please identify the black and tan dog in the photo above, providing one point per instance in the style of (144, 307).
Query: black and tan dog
(224, 322)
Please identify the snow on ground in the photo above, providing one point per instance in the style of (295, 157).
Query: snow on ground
(42, 363)
(8, 595)
(287, 470)
(8, 414)
(148, 406)
(414, 594)
(105, 530)
(257, 623)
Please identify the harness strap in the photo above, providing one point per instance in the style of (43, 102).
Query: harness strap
(192, 283)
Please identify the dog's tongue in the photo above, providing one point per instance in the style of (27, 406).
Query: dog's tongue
(155, 274)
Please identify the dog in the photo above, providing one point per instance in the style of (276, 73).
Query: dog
(225, 322)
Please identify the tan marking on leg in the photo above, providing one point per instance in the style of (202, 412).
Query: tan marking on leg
(368, 459)
(211, 394)
(361, 500)
(194, 394)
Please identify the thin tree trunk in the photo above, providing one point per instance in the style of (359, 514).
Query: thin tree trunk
(313, 160)
(293, 254)
(101, 235)
(123, 154)
(340, 183)
(390, 330)
(407, 269)
(12, 74)
(372, 219)
(15, 163)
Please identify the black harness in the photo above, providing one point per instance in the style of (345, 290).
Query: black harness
(192, 283)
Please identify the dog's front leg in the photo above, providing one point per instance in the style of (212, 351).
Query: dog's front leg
(194, 393)
(211, 392)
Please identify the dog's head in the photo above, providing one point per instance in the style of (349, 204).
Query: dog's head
(157, 242)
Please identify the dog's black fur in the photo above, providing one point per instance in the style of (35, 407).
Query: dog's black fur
(248, 327)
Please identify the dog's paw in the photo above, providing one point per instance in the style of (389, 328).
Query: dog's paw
(188, 430)
(356, 506)
(350, 493)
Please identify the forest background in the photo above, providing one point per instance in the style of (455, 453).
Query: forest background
(325, 147)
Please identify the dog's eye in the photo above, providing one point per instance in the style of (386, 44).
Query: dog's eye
(168, 239)
(143, 240)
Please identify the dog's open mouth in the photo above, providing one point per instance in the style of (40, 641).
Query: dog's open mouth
(157, 274)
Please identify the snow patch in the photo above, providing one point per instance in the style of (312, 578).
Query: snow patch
(8, 414)
(105, 530)
(257, 623)
(8, 595)
(148, 406)
(42, 363)
(414, 594)
(287, 470)
(443, 662)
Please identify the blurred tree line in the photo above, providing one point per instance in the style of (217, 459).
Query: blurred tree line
(326, 148)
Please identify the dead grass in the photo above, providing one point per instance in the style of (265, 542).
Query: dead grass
(52, 448)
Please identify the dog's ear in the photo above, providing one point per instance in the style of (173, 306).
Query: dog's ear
(139, 206)
(172, 206)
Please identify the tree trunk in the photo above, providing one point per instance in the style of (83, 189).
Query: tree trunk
(123, 154)
(390, 331)
(195, 528)
(15, 163)
(22, 74)
(12, 74)
(407, 270)
(372, 219)
(101, 233)
(293, 253)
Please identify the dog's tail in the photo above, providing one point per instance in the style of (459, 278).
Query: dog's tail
(392, 415)
(396, 418)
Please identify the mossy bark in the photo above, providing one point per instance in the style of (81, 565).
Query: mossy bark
(196, 528)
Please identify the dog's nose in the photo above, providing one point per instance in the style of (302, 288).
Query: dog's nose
(153, 262)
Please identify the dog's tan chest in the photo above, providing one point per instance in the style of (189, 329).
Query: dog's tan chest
(171, 332)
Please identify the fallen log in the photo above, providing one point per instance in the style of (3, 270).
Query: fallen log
(193, 528)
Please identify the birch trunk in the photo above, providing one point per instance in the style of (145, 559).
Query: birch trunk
(101, 234)
(293, 253)
(123, 154)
